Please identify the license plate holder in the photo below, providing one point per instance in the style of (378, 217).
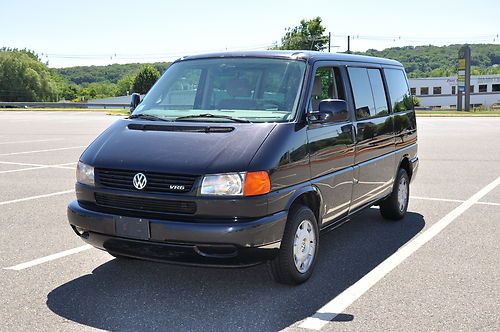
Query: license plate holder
(135, 228)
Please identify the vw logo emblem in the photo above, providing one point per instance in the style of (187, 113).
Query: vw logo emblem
(140, 181)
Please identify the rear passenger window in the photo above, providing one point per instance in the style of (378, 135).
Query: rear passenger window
(378, 90)
(398, 90)
(369, 93)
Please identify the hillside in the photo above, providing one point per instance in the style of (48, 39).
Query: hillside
(420, 61)
(110, 73)
(433, 61)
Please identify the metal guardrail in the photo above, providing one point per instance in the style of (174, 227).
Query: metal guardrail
(60, 105)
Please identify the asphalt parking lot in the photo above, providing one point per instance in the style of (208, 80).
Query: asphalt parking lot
(438, 269)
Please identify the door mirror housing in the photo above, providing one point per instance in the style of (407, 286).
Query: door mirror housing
(330, 110)
(135, 101)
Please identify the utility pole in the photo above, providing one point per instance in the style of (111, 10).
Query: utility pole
(467, 79)
(463, 79)
(348, 44)
(329, 41)
(459, 100)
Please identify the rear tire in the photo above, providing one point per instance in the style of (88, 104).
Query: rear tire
(299, 248)
(394, 207)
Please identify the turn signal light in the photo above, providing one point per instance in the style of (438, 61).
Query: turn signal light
(257, 183)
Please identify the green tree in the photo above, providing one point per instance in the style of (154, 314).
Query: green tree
(415, 101)
(125, 85)
(145, 79)
(308, 35)
(111, 73)
(23, 77)
(71, 92)
(97, 90)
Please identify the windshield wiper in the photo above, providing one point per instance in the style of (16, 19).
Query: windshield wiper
(209, 115)
(149, 117)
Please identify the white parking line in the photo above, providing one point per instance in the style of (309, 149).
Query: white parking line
(437, 199)
(337, 305)
(49, 258)
(33, 141)
(488, 203)
(46, 150)
(36, 197)
(451, 200)
(22, 169)
(35, 166)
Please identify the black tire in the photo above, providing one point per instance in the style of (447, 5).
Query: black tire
(283, 267)
(395, 205)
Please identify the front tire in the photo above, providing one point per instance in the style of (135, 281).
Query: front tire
(394, 207)
(299, 248)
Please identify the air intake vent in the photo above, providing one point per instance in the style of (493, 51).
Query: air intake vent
(190, 129)
(145, 204)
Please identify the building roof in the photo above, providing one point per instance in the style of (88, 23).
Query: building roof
(296, 54)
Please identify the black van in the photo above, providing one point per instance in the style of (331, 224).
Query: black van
(233, 159)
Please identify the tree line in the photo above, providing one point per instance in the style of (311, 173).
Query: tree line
(24, 77)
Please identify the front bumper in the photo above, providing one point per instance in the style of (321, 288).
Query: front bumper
(214, 244)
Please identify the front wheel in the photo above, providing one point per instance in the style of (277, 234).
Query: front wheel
(299, 248)
(394, 207)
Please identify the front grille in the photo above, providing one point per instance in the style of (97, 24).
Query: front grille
(145, 204)
(156, 182)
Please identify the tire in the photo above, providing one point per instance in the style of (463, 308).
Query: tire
(299, 244)
(394, 207)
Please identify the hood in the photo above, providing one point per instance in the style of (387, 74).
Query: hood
(180, 148)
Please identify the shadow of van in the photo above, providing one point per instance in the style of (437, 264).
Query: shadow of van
(139, 295)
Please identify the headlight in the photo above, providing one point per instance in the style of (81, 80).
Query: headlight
(223, 184)
(85, 174)
(236, 184)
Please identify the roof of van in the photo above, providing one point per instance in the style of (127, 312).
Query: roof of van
(297, 54)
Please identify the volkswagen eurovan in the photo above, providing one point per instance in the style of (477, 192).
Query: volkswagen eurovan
(233, 159)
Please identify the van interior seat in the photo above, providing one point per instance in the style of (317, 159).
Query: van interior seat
(316, 93)
(238, 89)
(237, 104)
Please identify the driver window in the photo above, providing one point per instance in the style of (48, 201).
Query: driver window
(327, 85)
(182, 93)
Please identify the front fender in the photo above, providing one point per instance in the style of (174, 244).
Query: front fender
(282, 200)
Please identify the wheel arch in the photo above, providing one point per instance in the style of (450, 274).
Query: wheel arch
(309, 196)
(404, 163)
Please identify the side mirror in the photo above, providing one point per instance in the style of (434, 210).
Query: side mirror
(330, 110)
(135, 101)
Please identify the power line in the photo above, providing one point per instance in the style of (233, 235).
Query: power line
(388, 39)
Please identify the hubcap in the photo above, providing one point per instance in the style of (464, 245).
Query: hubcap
(304, 246)
(402, 194)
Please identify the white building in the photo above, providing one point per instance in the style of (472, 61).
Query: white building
(441, 92)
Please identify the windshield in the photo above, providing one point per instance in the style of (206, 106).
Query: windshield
(226, 89)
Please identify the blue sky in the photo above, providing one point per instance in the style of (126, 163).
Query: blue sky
(102, 32)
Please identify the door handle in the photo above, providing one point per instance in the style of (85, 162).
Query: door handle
(350, 128)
